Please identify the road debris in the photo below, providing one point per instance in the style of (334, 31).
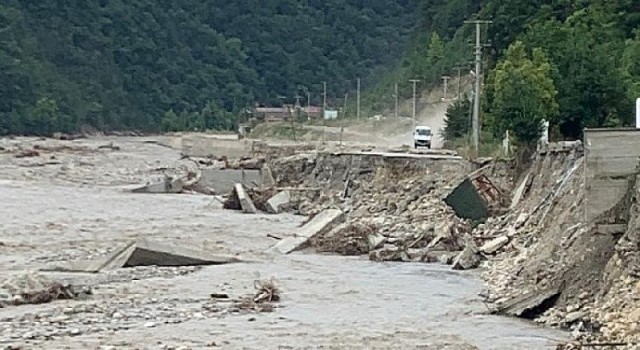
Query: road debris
(277, 202)
(246, 204)
(321, 223)
(144, 252)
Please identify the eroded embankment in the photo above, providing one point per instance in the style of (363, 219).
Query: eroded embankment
(561, 270)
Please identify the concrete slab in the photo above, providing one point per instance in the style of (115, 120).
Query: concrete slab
(321, 223)
(152, 253)
(523, 305)
(146, 253)
(245, 201)
(517, 195)
(275, 202)
(224, 180)
(466, 202)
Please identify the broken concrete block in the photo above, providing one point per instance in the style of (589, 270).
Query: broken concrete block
(321, 223)
(466, 202)
(467, 259)
(266, 177)
(146, 253)
(530, 304)
(494, 245)
(275, 202)
(376, 241)
(245, 201)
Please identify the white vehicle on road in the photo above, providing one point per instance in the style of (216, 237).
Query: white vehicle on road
(422, 136)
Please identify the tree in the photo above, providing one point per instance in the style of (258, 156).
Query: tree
(45, 116)
(523, 94)
(630, 66)
(458, 119)
(434, 58)
(170, 121)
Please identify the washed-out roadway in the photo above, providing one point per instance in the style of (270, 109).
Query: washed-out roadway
(327, 302)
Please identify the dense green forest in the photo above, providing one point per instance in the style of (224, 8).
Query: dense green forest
(149, 65)
(575, 63)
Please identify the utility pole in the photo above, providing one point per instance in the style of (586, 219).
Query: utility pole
(396, 96)
(446, 85)
(324, 97)
(358, 103)
(459, 69)
(478, 75)
(344, 114)
(414, 81)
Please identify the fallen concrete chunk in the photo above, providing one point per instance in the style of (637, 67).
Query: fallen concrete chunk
(467, 259)
(517, 196)
(466, 202)
(321, 223)
(147, 253)
(276, 202)
(494, 245)
(266, 177)
(245, 201)
(530, 304)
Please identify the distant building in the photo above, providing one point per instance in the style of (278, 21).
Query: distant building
(312, 111)
(272, 113)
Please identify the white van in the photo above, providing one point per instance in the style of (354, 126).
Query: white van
(422, 136)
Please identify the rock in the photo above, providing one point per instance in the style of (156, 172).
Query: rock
(467, 259)
(521, 220)
(574, 316)
(494, 245)
(149, 324)
(279, 200)
(74, 332)
(376, 241)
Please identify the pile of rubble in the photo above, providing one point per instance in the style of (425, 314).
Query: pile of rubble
(395, 207)
(36, 289)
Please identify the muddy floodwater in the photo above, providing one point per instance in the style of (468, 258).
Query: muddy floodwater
(327, 302)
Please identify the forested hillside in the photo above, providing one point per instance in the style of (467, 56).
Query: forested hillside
(147, 65)
(573, 62)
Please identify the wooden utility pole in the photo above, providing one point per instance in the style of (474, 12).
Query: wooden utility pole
(475, 125)
(414, 81)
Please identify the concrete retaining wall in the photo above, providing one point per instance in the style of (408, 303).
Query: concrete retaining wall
(611, 156)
